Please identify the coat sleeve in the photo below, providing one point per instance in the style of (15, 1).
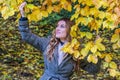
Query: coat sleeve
(90, 67)
(38, 42)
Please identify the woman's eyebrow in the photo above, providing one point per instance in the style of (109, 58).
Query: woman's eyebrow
(61, 24)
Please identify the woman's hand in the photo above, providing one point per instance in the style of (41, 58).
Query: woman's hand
(21, 8)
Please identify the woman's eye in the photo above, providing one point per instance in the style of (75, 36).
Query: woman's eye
(62, 26)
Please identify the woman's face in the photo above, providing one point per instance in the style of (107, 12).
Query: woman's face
(61, 30)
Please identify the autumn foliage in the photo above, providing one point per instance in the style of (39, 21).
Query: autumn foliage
(101, 18)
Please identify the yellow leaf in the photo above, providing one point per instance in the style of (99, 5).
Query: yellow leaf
(82, 34)
(108, 58)
(77, 7)
(79, 1)
(73, 1)
(93, 25)
(19, 1)
(112, 72)
(84, 52)
(35, 16)
(69, 7)
(85, 11)
(88, 20)
(112, 25)
(101, 3)
(0, 8)
(63, 1)
(101, 14)
(13, 3)
(1, 1)
(53, 1)
(98, 54)
(89, 2)
(113, 65)
(89, 59)
(89, 45)
(103, 55)
(65, 47)
(73, 31)
(29, 0)
(66, 5)
(114, 46)
(75, 43)
(99, 40)
(76, 46)
(114, 17)
(109, 16)
(75, 27)
(39, 16)
(4, 72)
(117, 31)
(70, 50)
(115, 37)
(100, 47)
(118, 43)
(94, 11)
(92, 58)
(105, 24)
(31, 6)
(73, 34)
(56, 8)
(74, 16)
(7, 11)
(88, 35)
(44, 13)
(49, 9)
(94, 49)
(76, 54)
(81, 20)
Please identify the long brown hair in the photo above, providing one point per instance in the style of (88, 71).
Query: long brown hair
(54, 41)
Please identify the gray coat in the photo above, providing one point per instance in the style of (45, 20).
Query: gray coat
(52, 70)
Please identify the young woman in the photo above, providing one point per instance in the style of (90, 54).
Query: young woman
(58, 65)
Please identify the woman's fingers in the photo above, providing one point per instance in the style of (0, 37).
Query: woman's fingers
(21, 7)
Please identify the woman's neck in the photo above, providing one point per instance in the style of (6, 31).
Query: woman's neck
(63, 40)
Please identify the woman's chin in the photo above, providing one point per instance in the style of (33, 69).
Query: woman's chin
(57, 36)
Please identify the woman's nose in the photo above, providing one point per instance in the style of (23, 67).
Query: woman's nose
(57, 28)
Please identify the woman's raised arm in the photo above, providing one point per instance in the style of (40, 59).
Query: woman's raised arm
(38, 42)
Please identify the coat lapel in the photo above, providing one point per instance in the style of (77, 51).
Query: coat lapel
(66, 58)
(56, 57)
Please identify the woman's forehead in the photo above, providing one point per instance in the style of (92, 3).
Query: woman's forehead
(61, 22)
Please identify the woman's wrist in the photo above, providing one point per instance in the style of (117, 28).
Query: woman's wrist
(23, 19)
(22, 13)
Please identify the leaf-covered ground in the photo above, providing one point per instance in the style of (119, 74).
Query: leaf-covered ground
(20, 61)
